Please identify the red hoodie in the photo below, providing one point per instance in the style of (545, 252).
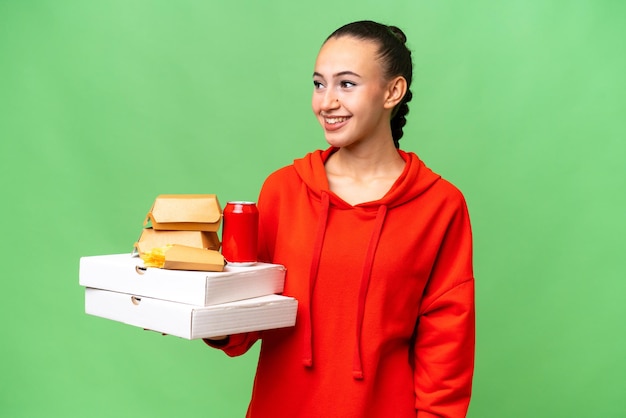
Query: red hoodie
(385, 323)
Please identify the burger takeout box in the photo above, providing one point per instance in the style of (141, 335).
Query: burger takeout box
(185, 212)
(189, 321)
(126, 274)
(187, 304)
(151, 238)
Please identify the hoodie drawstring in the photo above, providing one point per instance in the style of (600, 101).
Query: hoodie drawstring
(315, 263)
(357, 366)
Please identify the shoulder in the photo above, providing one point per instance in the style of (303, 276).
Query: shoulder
(436, 187)
(307, 169)
(278, 178)
(446, 198)
(451, 204)
(284, 180)
(449, 192)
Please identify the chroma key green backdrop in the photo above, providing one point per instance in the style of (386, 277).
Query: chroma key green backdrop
(106, 104)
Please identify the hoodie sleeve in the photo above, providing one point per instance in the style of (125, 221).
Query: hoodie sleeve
(239, 344)
(445, 337)
(269, 204)
(236, 345)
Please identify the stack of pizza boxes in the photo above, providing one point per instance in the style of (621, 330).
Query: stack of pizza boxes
(192, 293)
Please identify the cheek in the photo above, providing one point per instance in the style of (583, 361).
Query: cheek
(315, 104)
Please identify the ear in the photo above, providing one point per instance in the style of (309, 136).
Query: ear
(396, 89)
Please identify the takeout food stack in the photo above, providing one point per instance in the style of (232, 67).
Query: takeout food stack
(179, 285)
(180, 232)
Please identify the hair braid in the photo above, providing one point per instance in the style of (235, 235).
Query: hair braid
(399, 118)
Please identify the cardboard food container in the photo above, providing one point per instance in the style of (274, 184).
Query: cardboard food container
(151, 238)
(182, 257)
(126, 274)
(185, 212)
(189, 321)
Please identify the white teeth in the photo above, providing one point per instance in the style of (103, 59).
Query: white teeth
(332, 121)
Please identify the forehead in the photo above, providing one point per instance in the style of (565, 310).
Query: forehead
(347, 54)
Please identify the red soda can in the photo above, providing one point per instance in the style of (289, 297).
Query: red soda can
(240, 233)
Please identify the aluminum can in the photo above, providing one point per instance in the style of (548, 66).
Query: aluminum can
(240, 233)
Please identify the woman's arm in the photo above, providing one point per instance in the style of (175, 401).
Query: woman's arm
(445, 334)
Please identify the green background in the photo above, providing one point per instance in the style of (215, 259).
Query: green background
(106, 104)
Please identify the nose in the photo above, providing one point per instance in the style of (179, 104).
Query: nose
(329, 101)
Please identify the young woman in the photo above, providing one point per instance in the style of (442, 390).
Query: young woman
(378, 253)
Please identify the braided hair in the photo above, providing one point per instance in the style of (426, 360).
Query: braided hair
(395, 58)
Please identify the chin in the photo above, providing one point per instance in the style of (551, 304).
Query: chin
(336, 144)
(337, 140)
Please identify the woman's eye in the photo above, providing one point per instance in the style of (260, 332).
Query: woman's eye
(347, 84)
(317, 85)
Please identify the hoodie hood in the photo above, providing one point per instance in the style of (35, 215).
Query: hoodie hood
(415, 179)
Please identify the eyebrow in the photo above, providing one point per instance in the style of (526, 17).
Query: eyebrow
(339, 74)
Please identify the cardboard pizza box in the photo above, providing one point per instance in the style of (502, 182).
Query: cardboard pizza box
(189, 321)
(127, 274)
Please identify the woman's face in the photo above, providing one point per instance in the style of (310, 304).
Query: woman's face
(350, 95)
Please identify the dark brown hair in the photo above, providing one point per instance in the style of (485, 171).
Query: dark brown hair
(395, 58)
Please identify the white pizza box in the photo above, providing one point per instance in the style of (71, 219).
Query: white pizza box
(126, 274)
(189, 321)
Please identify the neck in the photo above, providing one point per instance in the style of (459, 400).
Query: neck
(366, 162)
